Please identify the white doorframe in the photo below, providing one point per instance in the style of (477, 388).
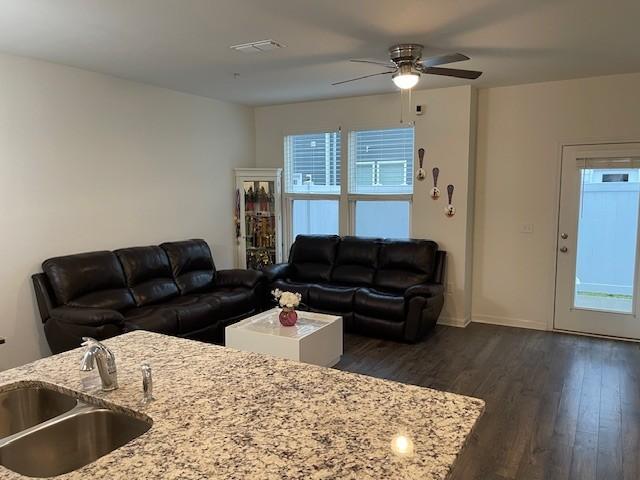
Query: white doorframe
(579, 319)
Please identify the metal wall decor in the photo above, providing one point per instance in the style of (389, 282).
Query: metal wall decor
(450, 210)
(421, 175)
(435, 191)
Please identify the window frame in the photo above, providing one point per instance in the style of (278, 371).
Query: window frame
(378, 196)
(320, 189)
(346, 200)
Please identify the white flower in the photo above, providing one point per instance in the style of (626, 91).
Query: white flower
(289, 299)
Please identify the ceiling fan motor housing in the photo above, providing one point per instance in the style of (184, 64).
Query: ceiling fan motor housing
(405, 53)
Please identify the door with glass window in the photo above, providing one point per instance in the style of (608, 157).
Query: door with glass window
(596, 272)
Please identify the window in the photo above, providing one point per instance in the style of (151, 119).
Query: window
(381, 182)
(395, 215)
(314, 217)
(381, 161)
(312, 163)
(378, 188)
(312, 183)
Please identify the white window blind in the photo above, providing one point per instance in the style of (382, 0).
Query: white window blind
(312, 163)
(381, 161)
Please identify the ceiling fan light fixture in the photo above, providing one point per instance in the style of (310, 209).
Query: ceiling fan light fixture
(405, 78)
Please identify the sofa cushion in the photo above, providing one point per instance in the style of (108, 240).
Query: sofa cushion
(86, 316)
(331, 298)
(356, 261)
(312, 257)
(148, 274)
(191, 264)
(383, 305)
(403, 263)
(90, 280)
(230, 302)
(159, 319)
(195, 314)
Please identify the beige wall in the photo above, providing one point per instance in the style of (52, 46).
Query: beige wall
(520, 130)
(91, 162)
(445, 131)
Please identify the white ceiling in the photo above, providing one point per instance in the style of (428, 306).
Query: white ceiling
(184, 44)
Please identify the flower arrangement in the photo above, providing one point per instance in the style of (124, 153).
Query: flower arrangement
(287, 299)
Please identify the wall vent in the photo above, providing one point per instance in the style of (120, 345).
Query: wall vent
(257, 47)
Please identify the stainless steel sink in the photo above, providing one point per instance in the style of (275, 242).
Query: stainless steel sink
(70, 442)
(25, 407)
(47, 433)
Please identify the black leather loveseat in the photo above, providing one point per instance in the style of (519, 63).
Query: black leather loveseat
(173, 289)
(385, 288)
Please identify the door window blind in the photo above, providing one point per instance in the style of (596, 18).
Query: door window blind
(381, 161)
(312, 163)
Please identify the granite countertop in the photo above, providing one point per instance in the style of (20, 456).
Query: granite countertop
(222, 413)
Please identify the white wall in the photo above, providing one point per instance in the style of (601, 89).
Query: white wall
(92, 162)
(520, 129)
(446, 131)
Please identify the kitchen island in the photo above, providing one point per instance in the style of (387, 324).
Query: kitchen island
(222, 413)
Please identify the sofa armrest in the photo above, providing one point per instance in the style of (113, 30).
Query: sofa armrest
(426, 290)
(93, 317)
(238, 278)
(276, 271)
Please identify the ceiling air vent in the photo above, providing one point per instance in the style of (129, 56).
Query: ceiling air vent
(257, 47)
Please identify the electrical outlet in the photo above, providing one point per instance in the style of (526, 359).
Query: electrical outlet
(449, 288)
(526, 228)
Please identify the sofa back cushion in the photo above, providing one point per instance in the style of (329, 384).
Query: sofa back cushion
(192, 265)
(356, 261)
(148, 274)
(92, 279)
(312, 257)
(403, 263)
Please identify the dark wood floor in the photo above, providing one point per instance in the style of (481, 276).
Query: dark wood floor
(557, 406)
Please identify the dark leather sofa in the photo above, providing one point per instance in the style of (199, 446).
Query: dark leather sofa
(173, 289)
(385, 288)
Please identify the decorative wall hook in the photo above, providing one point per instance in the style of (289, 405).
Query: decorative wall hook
(421, 175)
(435, 191)
(450, 210)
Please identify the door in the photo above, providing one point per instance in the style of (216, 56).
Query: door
(596, 270)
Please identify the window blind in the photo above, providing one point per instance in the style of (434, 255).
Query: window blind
(381, 161)
(312, 163)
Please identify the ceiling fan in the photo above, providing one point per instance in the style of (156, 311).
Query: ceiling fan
(405, 66)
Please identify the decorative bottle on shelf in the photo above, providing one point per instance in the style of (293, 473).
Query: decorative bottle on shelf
(262, 195)
(271, 203)
(250, 200)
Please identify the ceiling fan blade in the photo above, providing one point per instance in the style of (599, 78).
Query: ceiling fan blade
(360, 78)
(451, 72)
(443, 59)
(374, 62)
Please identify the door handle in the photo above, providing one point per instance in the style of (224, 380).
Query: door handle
(564, 249)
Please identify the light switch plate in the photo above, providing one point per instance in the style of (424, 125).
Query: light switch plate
(526, 228)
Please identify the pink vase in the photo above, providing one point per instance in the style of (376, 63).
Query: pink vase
(288, 317)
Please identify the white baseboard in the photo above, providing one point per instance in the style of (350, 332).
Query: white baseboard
(510, 322)
(454, 322)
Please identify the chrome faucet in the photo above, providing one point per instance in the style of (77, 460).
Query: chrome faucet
(147, 384)
(96, 352)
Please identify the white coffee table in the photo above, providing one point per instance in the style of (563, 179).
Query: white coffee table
(316, 338)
